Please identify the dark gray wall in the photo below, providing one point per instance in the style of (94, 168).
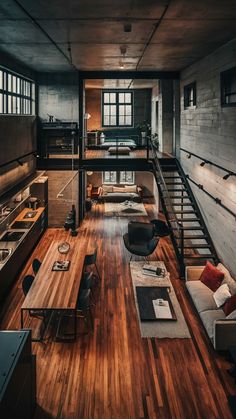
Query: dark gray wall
(209, 130)
(58, 96)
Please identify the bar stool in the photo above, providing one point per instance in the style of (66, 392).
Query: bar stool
(36, 265)
(161, 229)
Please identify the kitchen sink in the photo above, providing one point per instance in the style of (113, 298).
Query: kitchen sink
(12, 236)
(4, 253)
(22, 224)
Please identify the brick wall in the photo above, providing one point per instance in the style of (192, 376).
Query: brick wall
(209, 131)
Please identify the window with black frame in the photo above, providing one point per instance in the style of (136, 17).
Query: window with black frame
(190, 95)
(121, 177)
(228, 87)
(17, 94)
(117, 108)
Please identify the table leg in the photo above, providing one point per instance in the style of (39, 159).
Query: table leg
(22, 318)
(75, 325)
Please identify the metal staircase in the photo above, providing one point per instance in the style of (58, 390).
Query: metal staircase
(190, 237)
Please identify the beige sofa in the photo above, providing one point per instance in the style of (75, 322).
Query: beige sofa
(220, 329)
(119, 193)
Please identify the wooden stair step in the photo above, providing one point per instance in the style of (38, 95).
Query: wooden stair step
(174, 183)
(179, 197)
(193, 228)
(190, 220)
(185, 212)
(177, 190)
(173, 177)
(198, 256)
(184, 204)
(196, 237)
(197, 246)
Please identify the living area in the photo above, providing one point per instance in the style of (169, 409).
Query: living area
(121, 192)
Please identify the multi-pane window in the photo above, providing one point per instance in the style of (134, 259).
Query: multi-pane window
(117, 108)
(228, 87)
(123, 177)
(190, 95)
(17, 94)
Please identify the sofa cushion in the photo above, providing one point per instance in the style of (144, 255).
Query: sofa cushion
(201, 295)
(230, 305)
(118, 189)
(208, 318)
(211, 276)
(131, 188)
(227, 278)
(221, 295)
(232, 316)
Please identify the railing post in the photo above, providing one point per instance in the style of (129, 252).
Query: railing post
(147, 148)
(182, 265)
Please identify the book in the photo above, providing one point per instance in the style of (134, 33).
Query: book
(162, 309)
(61, 265)
(154, 271)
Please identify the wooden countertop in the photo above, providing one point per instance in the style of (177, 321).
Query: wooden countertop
(58, 289)
(20, 217)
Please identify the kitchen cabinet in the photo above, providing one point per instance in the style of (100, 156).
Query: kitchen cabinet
(17, 375)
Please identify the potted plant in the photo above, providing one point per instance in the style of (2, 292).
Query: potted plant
(155, 140)
(145, 129)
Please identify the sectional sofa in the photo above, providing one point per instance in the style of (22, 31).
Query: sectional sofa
(220, 328)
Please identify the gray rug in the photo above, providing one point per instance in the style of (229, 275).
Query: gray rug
(121, 209)
(161, 328)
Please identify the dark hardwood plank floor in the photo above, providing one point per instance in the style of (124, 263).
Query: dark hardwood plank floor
(112, 372)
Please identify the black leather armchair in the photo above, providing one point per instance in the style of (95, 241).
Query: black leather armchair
(140, 239)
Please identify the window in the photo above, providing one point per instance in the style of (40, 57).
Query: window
(190, 95)
(228, 87)
(17, 94)
(117, 108)
(118, 177)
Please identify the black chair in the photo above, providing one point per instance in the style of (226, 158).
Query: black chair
(87, 280)
(36, 265)
(91, 260)
(26, 283)
(161, 229)
(140, 239)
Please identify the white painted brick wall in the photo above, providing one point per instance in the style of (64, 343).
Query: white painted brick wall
(210, 131)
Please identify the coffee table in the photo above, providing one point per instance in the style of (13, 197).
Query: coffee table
(145, 297)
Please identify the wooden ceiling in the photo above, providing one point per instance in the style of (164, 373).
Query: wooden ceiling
(165, 35)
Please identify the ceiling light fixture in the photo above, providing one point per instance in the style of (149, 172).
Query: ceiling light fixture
(123, 52)
(203, 163)
(225, 177)
(20, 162)
(127, 27)
(189, 156)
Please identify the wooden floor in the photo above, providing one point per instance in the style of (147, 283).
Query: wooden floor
(114, 373)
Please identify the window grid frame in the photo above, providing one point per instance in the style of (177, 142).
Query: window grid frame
(117, 104)
(118, 178)
(190, 90)
(225, 84)
(24, 86)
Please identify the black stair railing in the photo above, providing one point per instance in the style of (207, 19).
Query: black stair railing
(172, 221)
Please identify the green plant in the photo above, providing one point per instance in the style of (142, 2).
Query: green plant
(144, 126)
(155, 140)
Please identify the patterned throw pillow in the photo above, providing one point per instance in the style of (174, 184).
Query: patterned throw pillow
(131, 188)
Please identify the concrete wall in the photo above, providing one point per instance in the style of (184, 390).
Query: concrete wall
(165, 116)
(58, 96)
(142, 107)
(209, 131)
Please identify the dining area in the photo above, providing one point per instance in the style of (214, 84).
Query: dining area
(60, 291)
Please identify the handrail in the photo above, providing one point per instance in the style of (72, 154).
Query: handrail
(173, 221)
(206, 161)
(18, 158)
(217, 200)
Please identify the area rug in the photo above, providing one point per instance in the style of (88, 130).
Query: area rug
(158, 328)
(121, 209)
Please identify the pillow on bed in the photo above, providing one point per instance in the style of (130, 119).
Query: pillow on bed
(131, 188)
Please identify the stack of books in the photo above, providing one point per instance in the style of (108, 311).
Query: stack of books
(154, 271)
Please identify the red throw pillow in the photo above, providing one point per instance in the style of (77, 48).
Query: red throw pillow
(211, 276)
(230, 305)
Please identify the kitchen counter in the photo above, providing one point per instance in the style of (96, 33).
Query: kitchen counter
(20, 242)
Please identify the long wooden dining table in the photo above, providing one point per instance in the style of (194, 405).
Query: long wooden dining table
(57, 290)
